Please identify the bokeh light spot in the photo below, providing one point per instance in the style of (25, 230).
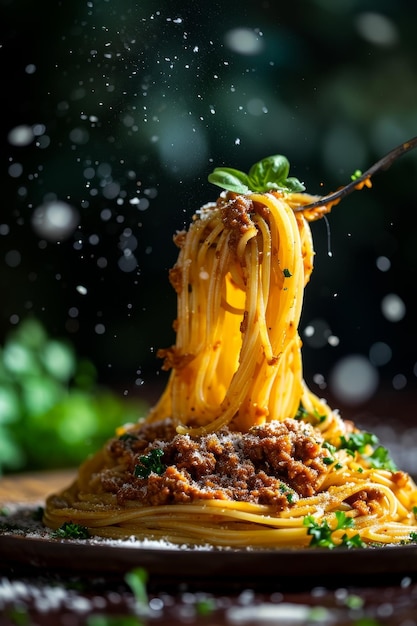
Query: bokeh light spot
(55, 220)
(353, 380)
(399, 382)
(377, 29)
(380, 353)
(393, 307)
(244, 41)
(383, 263)
(316, 334)
(21, 135)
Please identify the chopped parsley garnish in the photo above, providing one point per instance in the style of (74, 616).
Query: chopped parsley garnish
(269, 174)
(329, 460)
(301, 414)
(289, 493)
(352, 542)
(356, 174)
(286, 272)
(380, 459)
(312, 418)
(358, 442)
(413, 537)
(321, 533)
(127, 437)
(71, 530)
(149, 463)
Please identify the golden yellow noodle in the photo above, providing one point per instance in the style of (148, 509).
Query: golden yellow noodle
(240, 278)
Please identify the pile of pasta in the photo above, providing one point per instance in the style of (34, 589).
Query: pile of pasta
(236, 384)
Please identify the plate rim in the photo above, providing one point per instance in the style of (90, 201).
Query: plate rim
(19, 550)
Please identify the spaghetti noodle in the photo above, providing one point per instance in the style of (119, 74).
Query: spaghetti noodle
(238, 451)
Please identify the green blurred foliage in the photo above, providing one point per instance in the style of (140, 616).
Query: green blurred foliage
(52, 411)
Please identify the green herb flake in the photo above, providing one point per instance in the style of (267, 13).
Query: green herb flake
(71, 530)
(313, 418)
(354, 602)
(380, 459)
(318, 614)
(19, 616)
(352, 542)
(127, 437)
(287, 273)
(301, 414)
(269, 174)
(357, 442)
(356, 174)
(137, 580)
(289, 493)
(343, 520)
(329, 460)
(321, 532)
(149, 463)
(205, 606)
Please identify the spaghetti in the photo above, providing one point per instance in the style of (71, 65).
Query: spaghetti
(238, 451)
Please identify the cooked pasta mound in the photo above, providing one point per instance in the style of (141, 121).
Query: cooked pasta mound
(238, 452)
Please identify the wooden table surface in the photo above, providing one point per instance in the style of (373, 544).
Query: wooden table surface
(36, 596)
(33, 487)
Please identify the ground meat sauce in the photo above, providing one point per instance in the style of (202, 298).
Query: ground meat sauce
(272, 464)
(236, 214)
(367, 502)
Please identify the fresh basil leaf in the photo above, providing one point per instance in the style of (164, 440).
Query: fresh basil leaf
(273, 169)
(293, 185)
(229, 178)
(269, 174)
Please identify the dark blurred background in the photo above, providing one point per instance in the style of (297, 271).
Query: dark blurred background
(114, 112)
